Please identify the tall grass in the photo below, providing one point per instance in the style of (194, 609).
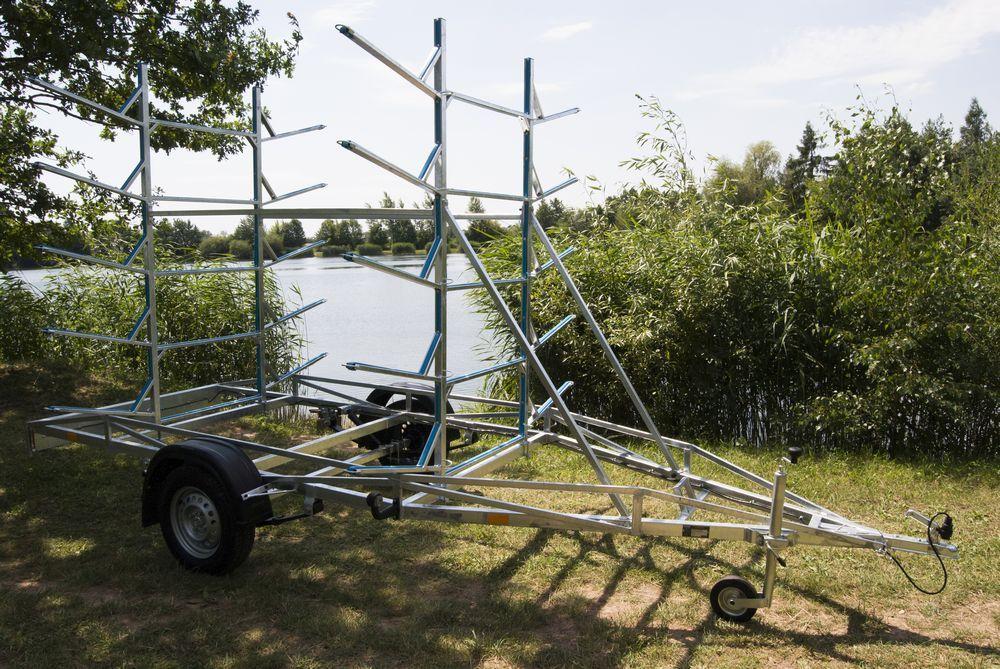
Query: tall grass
(109, 302)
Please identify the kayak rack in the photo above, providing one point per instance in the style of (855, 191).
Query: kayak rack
(208, 493)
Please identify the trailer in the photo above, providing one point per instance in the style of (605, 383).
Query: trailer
(427, 452)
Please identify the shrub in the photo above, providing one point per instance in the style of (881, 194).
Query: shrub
(369, 249)
(403, 249)
(214, 246)
(741, 325)
(276, 242)
(332, 251)
(241, 249)
(871, 324)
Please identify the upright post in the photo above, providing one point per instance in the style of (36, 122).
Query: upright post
(258, 243)
(526, 252)
(149, 249)
(441, 262)
(774, 532)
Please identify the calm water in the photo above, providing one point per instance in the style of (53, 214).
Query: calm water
(372, 317)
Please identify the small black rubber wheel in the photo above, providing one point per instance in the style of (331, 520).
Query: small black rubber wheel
(724, 595)
(198, 519)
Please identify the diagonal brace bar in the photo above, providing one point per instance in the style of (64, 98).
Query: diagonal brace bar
(532, 356)
(602, 340)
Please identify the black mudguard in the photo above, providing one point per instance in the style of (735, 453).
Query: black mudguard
(222, 459)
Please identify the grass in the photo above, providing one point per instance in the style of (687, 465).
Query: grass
(82, 584)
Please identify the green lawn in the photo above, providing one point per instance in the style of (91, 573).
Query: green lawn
(83, 584)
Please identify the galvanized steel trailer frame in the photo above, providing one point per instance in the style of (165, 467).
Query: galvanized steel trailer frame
(768, 515)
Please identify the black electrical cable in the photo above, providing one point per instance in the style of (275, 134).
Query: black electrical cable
(937, 554)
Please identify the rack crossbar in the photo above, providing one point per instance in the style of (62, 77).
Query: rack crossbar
(290, 133)
(87, 180)
(52, 88)
(387, 60)
(388, 269)
(232, 132)
(484, 104)
(89, 259)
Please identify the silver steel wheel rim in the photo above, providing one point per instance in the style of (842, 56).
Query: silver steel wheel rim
(727, 601)
(195, 522)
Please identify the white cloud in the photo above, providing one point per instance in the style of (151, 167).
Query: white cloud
(559, 33)
(903, 53)
(346, 11)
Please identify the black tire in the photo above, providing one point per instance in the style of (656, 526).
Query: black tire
(727, 589)
(194, 502)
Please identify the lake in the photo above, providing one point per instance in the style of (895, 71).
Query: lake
(372, 317)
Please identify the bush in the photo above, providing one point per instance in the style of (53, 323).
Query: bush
(214, 246)
(870, 324)
(403, 249)
(276, 242)
(332, 251)
(241, 249)
(739, 326)
(369, 249)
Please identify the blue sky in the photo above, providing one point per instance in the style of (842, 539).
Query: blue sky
(735, 72)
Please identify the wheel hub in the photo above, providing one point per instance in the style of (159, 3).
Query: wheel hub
(728, 598)
(195, 521)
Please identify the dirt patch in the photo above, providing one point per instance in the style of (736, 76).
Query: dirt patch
(624, 605)
(559, 632)
(977, 619)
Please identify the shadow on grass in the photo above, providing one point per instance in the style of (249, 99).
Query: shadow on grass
(81, 583)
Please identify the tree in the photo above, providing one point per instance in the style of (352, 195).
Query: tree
(179, 235)
(244, 229)
(377, 234)
(397, 230)
(973, 139)
(761, 168)
(801, 169)
(750, 182)
(202, 55)
(293, 236)
(482, 230)
(550, 214)
(348, 234)
(351, 233)
(424, 228)
(976, 131)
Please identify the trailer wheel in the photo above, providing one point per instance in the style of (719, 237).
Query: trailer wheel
(199, 522)
(724, 595)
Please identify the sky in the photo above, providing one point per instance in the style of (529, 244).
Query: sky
(734, 72)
